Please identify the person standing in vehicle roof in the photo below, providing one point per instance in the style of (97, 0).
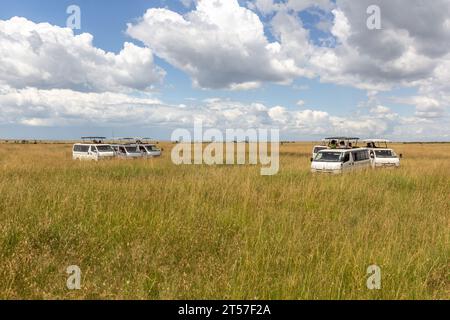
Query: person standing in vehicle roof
(333, 144)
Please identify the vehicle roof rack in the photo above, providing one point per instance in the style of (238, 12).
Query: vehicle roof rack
(133, 140)
(94, 139)
(90, 138)
(342, 138)
(376, 140)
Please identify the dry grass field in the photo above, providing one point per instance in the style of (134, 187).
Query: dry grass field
(148, 229)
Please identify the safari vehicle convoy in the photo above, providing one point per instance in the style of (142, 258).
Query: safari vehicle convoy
(340, 154)
(130, 148)
(334, 155)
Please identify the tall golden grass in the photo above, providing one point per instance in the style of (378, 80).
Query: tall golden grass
(148, 229)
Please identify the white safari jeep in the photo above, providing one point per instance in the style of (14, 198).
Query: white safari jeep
(127, 151)
(94, 150)
(335, 143)
(142, 145)
(381, 155)
(340, 160)
(82, 151)
(149, 150)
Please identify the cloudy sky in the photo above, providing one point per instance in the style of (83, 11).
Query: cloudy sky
(145, 68)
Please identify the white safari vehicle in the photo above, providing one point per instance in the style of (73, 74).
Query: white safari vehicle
(381, 155)
(92, 151)
(341, 160)
(125, 151)
(149, 150)
(146, 149)
(335, 143)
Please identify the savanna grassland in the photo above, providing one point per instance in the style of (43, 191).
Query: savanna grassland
(148, 229)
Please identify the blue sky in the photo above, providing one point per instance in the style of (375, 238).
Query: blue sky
(350, 95)
(106, 20)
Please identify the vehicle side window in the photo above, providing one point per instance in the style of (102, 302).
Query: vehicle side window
(122, 150)
(81, 148)
(360, 155)
(93, 149)
(347, 157)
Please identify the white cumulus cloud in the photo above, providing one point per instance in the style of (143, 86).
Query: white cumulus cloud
(45, 56)
(219, 44)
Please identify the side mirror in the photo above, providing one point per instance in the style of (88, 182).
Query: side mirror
(401, 155)
(311, 159)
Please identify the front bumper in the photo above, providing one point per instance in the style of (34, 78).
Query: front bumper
(329, 171)
(387, 165)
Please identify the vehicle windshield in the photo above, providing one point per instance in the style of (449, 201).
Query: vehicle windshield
(152, 148)
(329, 157)
(132, 150)
(105, 149)
(385, 154)
(317, 149)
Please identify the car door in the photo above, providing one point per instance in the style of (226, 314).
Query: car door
(360, 159)
(122, 152)
(367, 161)
(93, 153)
(75, 152)
(143, 150)
(84, 154)
(355, 162)
(364, 159)
(373, 157)
(347, 162)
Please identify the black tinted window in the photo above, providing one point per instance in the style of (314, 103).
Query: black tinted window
(79, 148)
(365, 155)
(347, 157)
(316, 149)
(361, 155)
